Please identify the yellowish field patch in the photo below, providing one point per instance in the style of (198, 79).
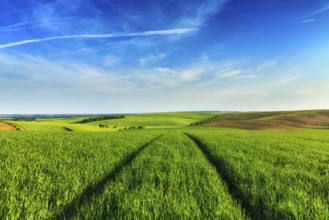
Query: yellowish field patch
(7, 127)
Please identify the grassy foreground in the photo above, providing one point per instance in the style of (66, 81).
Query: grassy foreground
(40, 173)
(276, 175)
(168, 171)
(188, 173)
(170, 179)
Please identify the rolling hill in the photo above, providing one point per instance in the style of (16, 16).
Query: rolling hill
(311, 119)
(150, 120)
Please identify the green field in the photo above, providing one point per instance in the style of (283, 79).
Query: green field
(167, 171)
(151, 120)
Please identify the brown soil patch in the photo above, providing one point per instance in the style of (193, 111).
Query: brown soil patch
(6, 126)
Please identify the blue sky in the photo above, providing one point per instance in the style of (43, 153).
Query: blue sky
(113, 56)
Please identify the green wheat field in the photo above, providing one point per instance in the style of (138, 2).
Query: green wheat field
(185, 165)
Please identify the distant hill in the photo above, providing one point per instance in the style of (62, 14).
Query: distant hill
(283, 120)
(105, 122)
(314, 119)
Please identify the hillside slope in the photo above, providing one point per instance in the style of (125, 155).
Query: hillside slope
(313, 119)
(7, 126)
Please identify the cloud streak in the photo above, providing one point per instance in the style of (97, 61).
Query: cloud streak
(30, 25)
(146, 33)
(308, 20)
(317, 12)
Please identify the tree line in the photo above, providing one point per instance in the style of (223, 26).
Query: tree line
(101, 118)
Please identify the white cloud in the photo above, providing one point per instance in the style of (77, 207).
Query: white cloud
(151, 59)
(41, 73)
(230, 74)
(232, 85)
(164, 70)
(308, 20)
(317, 12)
(18, 26)
(110, 60)
(146, 33)
(239, 93)
(202, 12)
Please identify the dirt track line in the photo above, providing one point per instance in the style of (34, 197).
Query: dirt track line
(225, 177)
(98, 188)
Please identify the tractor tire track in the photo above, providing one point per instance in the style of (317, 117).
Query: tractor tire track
(226, 177)
(97, 189)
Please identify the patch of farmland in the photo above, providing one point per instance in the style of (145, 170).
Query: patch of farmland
(158, 120)
(169, 179)
(41, 172)
(276, 175)
(165, 174)
(7, 126)
(152, 120)
(316, 119)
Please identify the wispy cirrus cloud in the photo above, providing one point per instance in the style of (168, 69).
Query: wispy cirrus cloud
(310, 17)
(199, 16)
(205, 81)
(40, 73)
(307, 20)
(151, 59)
(324, 9)
(17, 26)
(146, 33)
(199, 58)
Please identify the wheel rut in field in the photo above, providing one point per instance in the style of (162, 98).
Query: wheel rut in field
(97, 189)
(225, 176)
